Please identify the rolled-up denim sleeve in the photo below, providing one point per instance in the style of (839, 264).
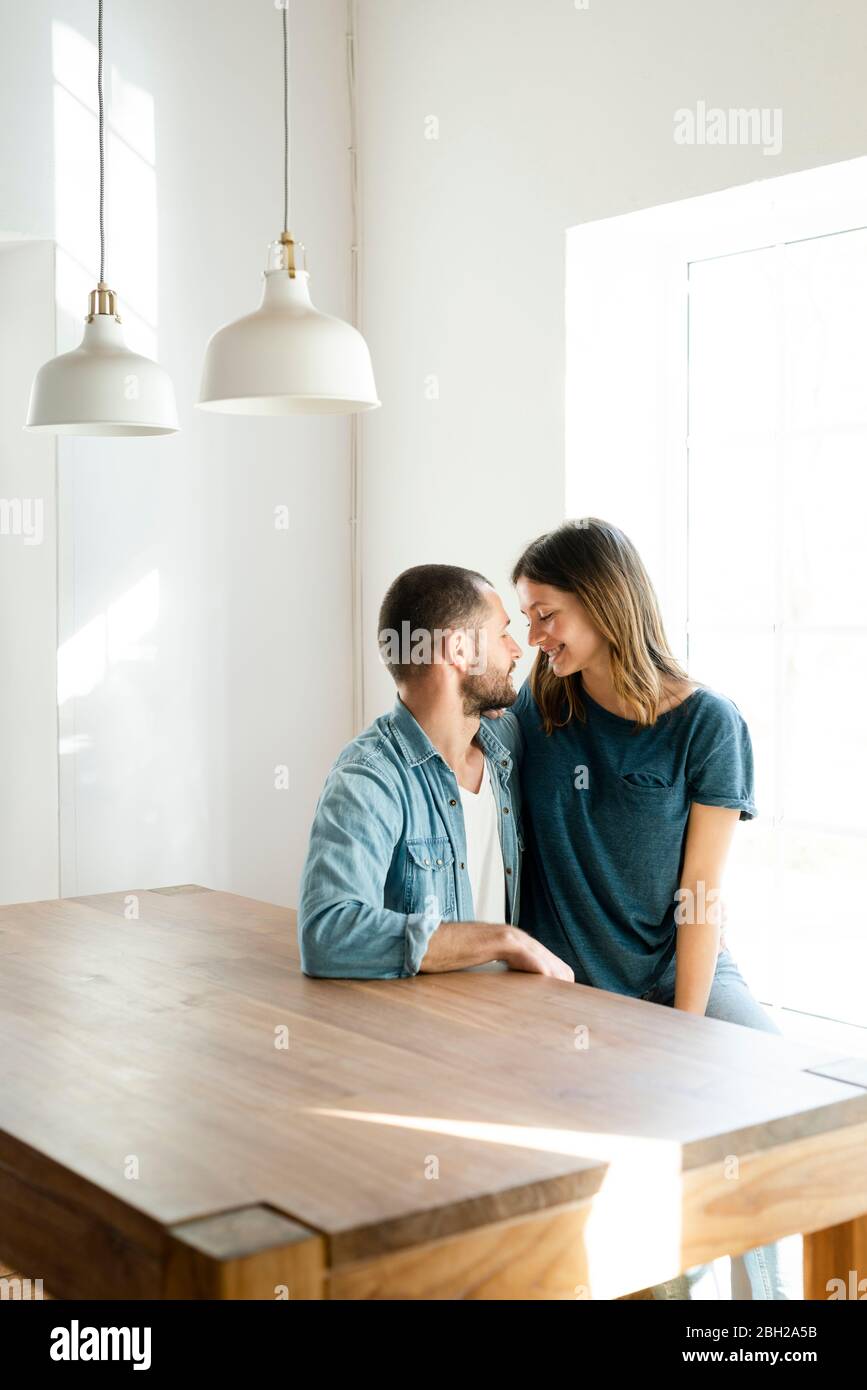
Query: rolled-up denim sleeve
(344, 930)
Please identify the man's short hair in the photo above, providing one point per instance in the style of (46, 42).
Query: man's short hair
(421, 603)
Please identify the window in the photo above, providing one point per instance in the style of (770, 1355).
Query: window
(717, 410)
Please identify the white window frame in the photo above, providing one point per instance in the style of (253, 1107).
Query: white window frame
(628, 279)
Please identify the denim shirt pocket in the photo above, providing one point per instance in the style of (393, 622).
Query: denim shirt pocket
(430, 876)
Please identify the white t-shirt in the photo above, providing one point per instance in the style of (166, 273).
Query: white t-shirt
(484, 854)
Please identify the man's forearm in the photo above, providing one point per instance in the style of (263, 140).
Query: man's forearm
(457, 945)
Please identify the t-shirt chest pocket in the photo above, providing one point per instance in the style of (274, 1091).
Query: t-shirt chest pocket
(643, 791)
(430, 875)
(651, 780)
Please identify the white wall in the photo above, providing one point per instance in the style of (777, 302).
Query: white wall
(206, 647)
(28, 577)
(549, 115)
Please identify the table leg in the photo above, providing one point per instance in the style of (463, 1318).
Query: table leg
(253, 1252)
(835, 1261)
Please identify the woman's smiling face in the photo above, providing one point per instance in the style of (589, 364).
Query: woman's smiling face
(559, 625)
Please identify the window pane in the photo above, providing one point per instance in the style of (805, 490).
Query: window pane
(826, 347)
(824, 509)
(733, 347)
(732, 504)
(824, 912)
(824, 732)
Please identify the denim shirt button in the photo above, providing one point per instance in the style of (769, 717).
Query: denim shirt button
(505, 810)
(452, 801)
(439, 861)
(504, 762)
(508, 871)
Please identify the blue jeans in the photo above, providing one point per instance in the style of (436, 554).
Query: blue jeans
(759, 1273)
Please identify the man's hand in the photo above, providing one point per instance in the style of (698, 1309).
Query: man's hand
(524, 952)
(457, 945)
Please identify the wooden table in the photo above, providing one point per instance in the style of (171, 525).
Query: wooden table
(184, 1115)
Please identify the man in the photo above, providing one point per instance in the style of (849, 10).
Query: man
(415, 851)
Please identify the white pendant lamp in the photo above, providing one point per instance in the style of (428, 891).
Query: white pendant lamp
(101, 388)
(287, 358)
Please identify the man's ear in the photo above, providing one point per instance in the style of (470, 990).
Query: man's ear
(478, 663)
(456, 648)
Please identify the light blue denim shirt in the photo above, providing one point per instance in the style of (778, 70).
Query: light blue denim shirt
(387, 857)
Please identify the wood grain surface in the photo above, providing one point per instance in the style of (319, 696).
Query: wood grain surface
(185, 1114)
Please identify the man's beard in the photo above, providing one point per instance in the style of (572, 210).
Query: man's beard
(490, 691)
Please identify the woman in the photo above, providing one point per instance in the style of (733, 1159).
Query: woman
(634, 778)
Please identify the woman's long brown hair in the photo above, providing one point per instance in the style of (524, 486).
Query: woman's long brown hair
(599, 565)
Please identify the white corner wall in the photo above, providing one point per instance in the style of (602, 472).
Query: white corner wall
(200, 647)
(549, 114)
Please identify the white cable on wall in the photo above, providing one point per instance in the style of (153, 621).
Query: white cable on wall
(354, 422)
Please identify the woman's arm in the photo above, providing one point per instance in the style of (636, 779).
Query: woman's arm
(698, 912)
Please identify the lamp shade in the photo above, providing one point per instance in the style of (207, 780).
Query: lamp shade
(101, 388)
(287, 358)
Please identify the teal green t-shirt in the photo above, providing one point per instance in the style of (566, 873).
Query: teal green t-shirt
(605, 818)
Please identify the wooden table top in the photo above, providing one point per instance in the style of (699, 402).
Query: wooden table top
(154, 1039)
